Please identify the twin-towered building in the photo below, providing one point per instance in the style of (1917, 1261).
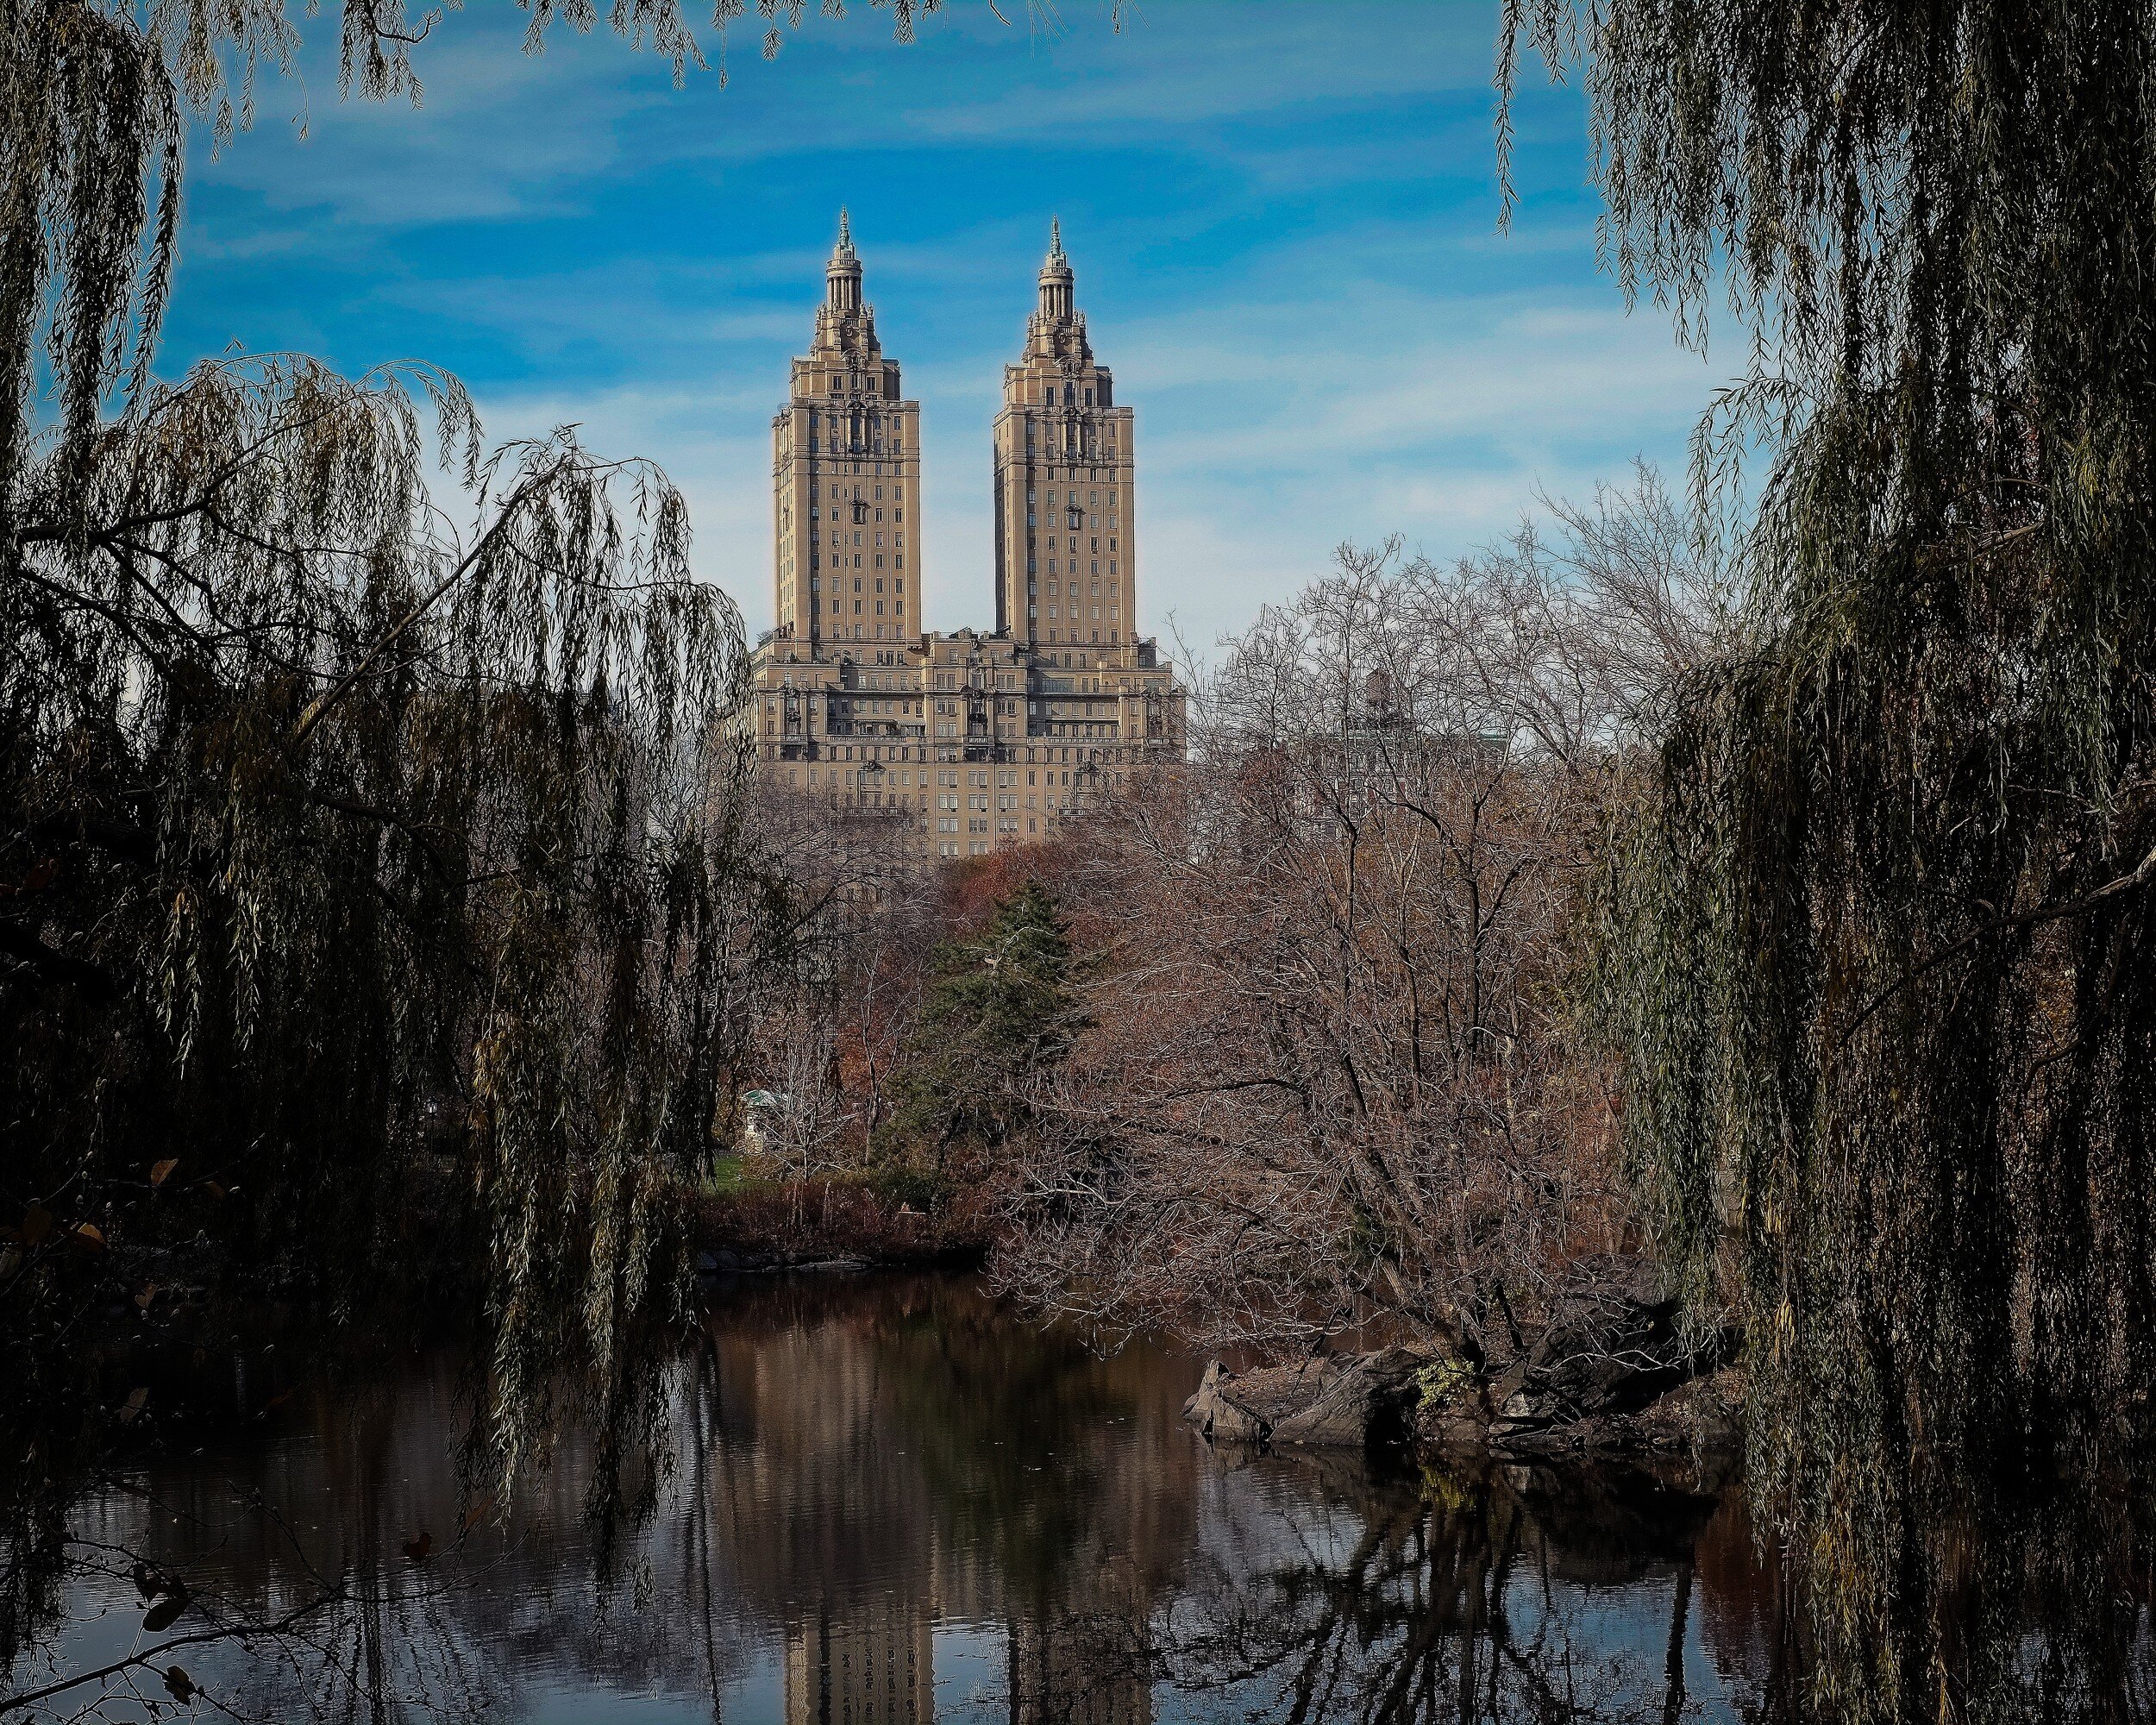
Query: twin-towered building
(981, 740)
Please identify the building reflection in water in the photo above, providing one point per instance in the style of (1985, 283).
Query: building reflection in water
(875, 1666)
(887, 1501)
(890, 1463)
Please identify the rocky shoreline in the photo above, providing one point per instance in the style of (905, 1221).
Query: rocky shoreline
(1610, 1376)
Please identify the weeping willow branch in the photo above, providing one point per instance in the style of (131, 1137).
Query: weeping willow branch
(1937, 225)
(147, 1658)
(321, 706)
(2135, 879)
(387, 874)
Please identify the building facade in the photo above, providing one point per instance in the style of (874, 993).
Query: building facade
(976, 741)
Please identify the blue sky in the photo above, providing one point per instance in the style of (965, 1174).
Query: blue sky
(1283, 217)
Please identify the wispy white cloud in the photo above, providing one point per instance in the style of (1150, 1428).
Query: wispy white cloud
(1202, 60)
(540, 134)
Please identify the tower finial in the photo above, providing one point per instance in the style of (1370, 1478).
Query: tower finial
(845, 226)
(1054, 236)
(842, 254)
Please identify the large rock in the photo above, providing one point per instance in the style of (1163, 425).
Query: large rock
(1608, 1354)
(1330, 1400)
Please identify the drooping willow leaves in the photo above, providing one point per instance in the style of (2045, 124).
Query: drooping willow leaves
(379, 913)
(333, 833)
(1877, 954)
(375, 904)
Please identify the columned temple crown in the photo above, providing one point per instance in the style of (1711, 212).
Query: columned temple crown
(842, 280)
(1055, 279)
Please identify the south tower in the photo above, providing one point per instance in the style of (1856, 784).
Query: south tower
(846, 480)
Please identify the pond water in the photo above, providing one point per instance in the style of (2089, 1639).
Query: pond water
(891, 1500)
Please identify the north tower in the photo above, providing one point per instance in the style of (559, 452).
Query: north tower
(1066, 554)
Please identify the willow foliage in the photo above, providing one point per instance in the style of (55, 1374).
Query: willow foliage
(1878, 948)
(337, 839)
(376, 904)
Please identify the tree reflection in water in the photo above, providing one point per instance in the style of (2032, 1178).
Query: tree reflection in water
(885, 1501)
(1496, 1594)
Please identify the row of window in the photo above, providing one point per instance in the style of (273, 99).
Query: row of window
(1070, 497)
(1071, 541)
(838, 539)
(1058, 772)
(854, 445)
(839, 494)
(838, 562)
(978, 847)
(1074, 395)
(1068, 566)
(820, 607)
(1078, 437)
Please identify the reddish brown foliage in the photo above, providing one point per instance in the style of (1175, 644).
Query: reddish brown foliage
(826, 1217)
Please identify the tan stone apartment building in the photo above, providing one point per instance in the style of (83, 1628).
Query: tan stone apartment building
(978, 740)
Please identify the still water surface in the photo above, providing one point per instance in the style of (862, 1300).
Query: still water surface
(891, 1501)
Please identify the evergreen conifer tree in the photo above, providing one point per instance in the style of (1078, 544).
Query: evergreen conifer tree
(1001, 1013)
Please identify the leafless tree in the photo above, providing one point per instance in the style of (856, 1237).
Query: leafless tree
(1333, 1076)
